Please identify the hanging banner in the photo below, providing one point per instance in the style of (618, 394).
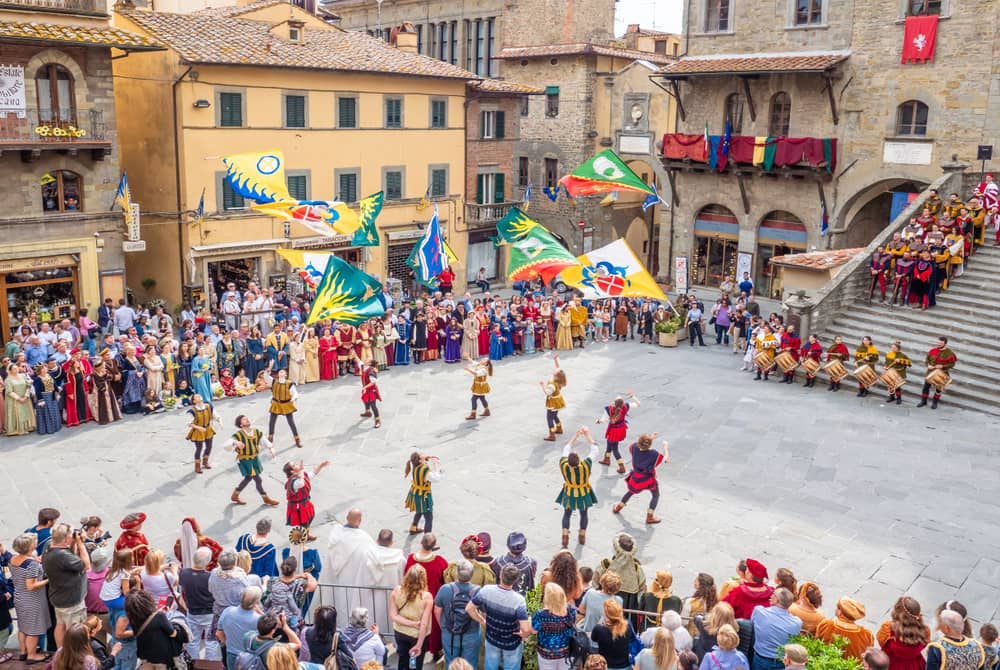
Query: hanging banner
(12, 98)
(681, 273)
(134, 231)
(744, 262)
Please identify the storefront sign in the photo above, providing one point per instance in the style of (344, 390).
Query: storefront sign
(12, 99)
(405, 235)
(24, 264)
(681, 273)
(908, 153)
(134, 245)
(134, 232)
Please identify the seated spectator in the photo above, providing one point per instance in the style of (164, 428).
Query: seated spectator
(807, 607)
(772, 628)
(724, 655)
(708, 627)
(236, 621)
(661, 655)
(858, 638)
(362, 638)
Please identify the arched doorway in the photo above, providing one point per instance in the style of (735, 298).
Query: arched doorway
(716, 241)
(780, 233)
(873, 210)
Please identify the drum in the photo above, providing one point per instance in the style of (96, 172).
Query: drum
(786, 361)
(836, 370)
(939, 379)
(892, 380)
(865, 375)
(811, 366)
(764, 361)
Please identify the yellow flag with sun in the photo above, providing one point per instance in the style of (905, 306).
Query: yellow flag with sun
(610, 272)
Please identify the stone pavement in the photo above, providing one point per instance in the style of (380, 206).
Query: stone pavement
(866, 499)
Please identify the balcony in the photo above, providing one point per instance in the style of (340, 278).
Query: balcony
(91, 7)
(815, 158)
(483, 215)
(54, 130)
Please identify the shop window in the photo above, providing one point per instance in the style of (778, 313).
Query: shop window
(50, 295)
(911, 118)
(56, 95)
(62, 191)
(733, 113)
(780, 116)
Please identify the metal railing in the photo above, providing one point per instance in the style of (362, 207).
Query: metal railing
(345, 598)
(49, 126)
(479, 214)
(59, 5)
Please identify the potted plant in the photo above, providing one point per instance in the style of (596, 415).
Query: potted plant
(666, 331)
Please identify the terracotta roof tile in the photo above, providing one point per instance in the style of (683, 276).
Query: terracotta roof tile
(503, 86)
(818, 260)
(238, 10)
(760, 62)
(210, 38)
(80, 35)
(581, 49)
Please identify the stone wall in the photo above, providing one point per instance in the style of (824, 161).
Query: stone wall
(493, 155)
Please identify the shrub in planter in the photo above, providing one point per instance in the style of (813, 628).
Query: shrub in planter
(823, 656)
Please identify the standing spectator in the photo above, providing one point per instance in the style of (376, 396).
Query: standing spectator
(746, 284)
(153, 632)
(708, 627)
(750, 593)
(659, 598)
(236, 621)
(460, 633)
(504, 615)
(772, 628)
(446, 279)
(725, 656)
(362, 638)
(526, 566)
(162, 324)
(30, 597)
(613, 637)
(124, 318)
(624, 564)
(88, 333)
(693, 323)
(47, 517)
(592, 604)
(268, 629)
(723, 321)
(226, 583)
(807, 607)
(286, 587)
(795, 657)
(672, 622)
(954, 650)
(904, 637)
(858, 638)
(66, 564)
(554, 625)
(661, 655)
(104, 315)
(200, 604)
(410, 607)
(231, 311)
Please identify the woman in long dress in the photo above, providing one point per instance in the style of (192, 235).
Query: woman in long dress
(20, 418)
(184, 357)
(134, 373)
(431, 353)
(76, 388)
(365, 342)
(484, 331)
(31, 600)
(403, 328)
(453, 342)
(470, 341)
(311, 348)
(564, 333)
(255, 361)
(170, 364)
(327, 355)
(547, 340)
(225, 353)
(48, 417)
(154, 370)
(107, 401)
(296, 360)
(379, 346)
(201, 374)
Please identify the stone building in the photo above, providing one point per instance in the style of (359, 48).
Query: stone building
(822, 70)
(62, 247)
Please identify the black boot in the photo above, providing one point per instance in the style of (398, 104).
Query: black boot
(833, 386)
(923, 402)
(808, 382)
(899, 398)
(861, 392)
(934, 403)
(757, 378)
(892, 396)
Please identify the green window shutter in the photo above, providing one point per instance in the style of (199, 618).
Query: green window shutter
(231, 110)
(347, 111)
(297, 186)
(394, 185)
(500, 131)
(439, 182)
(393, 113)
(349, 187)
(498, 187)
(439, 114)
(479, 189)
(230, 198)
(295, 111)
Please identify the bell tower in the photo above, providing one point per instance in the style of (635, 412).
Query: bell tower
(546, 22)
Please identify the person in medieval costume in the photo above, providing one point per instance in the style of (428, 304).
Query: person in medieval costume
(298, 490)
(133, 538)
(104, 393)
(191, 540)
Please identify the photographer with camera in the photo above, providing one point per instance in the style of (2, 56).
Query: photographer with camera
(66, 564)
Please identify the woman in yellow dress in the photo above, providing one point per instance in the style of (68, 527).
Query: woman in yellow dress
(480, 386)
(366, 341)
(297, 360)
(20, 416)
(311, 347)
(554, 400)
(564, 330)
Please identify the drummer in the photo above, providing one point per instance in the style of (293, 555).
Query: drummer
(897, 361)
(812, 351)
(939, 359)
(765, 344)
(836, 353)
(865, 354)
(790, 344)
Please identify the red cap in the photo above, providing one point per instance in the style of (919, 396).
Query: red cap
(757, 569)
(133, 520)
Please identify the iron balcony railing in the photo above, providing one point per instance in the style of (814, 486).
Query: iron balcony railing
(49, 126)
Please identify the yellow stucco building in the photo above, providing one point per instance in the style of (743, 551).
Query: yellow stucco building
(352, 114)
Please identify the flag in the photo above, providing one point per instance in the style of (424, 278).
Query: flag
(430, 250)
(602, 173)
(123, 197)
(609, 199)
(346, 294)
(526, 199)
(725, 142)
(652, 199)
(258, 176)
(708, 142)
(425, 200)
(919, 38)
(552, 192)
(199, 214)
(534, 251)
(367, 235)
(610, 272)
(308, 265)
(824, 220)
(326, 217)
(413, 261)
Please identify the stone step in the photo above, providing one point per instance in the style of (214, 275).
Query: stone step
(957, 321)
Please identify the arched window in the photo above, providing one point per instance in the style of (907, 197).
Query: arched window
(780, 115)
(56, 98)
(734, 113)
(62, 191)
(911, 118)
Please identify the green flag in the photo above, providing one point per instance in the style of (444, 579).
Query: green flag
(533, 250)
(368, 210)
(346, 294)
(603, 173)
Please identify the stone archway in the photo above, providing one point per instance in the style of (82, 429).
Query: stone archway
(868, 211)
(780, 233)
(716, 246)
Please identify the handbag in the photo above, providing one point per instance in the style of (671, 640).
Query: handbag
(634, 645)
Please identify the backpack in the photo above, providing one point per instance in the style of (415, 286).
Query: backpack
(579, 649)
(253, 660)
(460, 619)
(340, 651)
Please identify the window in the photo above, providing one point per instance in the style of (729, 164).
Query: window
(480, 47)
(392, 179)
(492, 125)
(420, 37)
(347, 186)
(808, 12)
(295, 111)
(62, 191)
(522, 171)
(660, 47)
(490, 188)
(552, 101)
(295, 32)
(56, 97)
(717, 16)
(347, 112)
(734, 113)
(780, 115)
(470, 28)
(230, 198)
(393, 112)
(298, 186)
(432, 40)
(439, 113)
(525, 105)
(551, 172)
(438, 182)
(454, 43)
(922, 7)
(911, 118)
(491, 66)
(443, 42)
(231, 110)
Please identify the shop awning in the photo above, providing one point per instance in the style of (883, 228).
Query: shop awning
(230, 247)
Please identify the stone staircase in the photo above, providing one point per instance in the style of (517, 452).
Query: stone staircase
(966, 314)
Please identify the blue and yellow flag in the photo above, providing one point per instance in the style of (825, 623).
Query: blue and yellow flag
(259, 176)
(612, 271)
(368, 209)
(123, 198)
(346, 294)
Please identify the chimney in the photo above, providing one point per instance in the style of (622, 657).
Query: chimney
(633, 28)
(404, 38)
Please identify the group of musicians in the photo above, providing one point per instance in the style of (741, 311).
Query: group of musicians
(787, 352)
(922, 258)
